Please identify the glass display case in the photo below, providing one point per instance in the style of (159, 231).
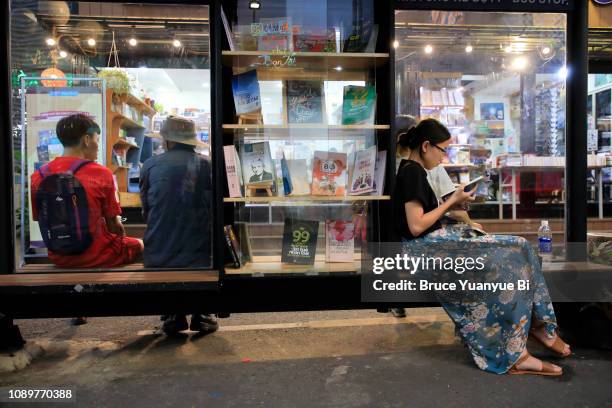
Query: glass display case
(307, 143)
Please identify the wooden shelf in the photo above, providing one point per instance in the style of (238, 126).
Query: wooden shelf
(131, 200)
(143, 107)
(301, 199)
(442, 106)
(460, 166)
(123, 142)
(229, 128)
(252, 268)
(289, 199)
(115, 168)
(315, 61)
(127, 122)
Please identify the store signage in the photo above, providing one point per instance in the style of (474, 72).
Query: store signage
(477, 5)
(277, 59)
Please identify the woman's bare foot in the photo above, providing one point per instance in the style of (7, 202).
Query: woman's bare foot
(533, 364)
(539, 332)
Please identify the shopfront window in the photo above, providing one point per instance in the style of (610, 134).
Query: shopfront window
(497, 81)
(599, 182)
(307, 160)
(111, 134)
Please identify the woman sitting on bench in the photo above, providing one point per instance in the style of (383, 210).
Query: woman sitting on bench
(493, 324)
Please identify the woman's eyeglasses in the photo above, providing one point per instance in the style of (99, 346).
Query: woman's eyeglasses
(439, 148)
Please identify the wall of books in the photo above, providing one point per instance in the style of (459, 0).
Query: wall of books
(304, 140)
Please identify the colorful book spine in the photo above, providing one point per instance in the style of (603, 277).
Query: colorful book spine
(232, 169)
(232, 245)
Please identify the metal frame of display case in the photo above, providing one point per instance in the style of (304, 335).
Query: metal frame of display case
(247, 293)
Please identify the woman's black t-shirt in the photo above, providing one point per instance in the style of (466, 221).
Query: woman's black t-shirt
(411, 185)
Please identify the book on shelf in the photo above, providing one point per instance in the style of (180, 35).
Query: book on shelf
(458, 97)
(358, 105)
(329, 173)
(233, 171)
(273, 34)
(232, 245)
(299, 241)
(228, 30)
(245, 87)
(298, 171)
(257, 164)
(359, 37)
(287, 186)
(436, 98)
(379, 172)
(363, 172)
(321, 40)
(305, 101)
(371, 47)
(339, 241)
(445, 98)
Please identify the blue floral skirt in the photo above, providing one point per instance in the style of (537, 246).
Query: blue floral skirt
(494, 327)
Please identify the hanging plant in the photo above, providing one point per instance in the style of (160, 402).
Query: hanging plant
(116, 79)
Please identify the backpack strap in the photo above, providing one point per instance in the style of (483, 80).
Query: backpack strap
(76, 166)
(44, 171)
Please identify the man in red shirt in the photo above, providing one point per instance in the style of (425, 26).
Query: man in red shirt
(109, 246)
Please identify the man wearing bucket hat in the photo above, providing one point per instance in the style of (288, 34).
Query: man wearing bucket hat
(175, 190)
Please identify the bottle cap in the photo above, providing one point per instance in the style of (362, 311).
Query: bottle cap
(545, 223)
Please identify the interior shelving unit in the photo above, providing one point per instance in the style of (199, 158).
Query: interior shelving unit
(123, 155)
(259, 220)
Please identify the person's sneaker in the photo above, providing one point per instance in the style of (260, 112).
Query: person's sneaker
(77, 321)
(398, 312)
(174, 324)
(203, 323)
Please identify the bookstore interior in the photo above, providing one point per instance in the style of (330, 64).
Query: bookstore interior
(308, 153)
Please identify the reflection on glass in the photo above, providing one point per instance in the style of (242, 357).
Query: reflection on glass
(497, 81)
(129, 70)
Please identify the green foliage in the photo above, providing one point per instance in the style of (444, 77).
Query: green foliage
(117, 80)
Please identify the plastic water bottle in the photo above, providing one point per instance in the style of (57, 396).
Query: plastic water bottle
(545, 240)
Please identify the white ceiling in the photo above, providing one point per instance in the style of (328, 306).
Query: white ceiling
(154, 80)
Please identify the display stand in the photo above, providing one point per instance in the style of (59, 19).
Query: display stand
(254, 118)
(251, 190)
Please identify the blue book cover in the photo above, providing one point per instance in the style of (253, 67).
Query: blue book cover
(245, 88)
(286, 177)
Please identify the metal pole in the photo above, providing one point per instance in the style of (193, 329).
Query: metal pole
(576, 133)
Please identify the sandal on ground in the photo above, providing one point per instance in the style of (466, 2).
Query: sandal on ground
(557, 347)
(547, 368)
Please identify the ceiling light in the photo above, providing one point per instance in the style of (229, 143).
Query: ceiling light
(508, 48)
(469, 49)
(132, 41)
(91, 42)
(519, 63)
(63, 54)
(563, 73)
(395, 44)
(254, 5)
(176, 43)
(546, 50)
(338, 68)
(50, 41)
(428, 49)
